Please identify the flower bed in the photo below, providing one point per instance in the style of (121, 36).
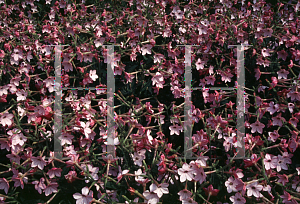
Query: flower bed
(149, 102)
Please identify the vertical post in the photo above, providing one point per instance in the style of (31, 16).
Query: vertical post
(187, 104)
(240, 101)
(110, 148)
(57, 103)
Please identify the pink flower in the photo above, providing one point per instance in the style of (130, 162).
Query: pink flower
(175, 129)
(161, 189)
(6, 119)
(282, 54)
(138, 159)
(257, 127)
(253, 189)
(93, 75)
(257, 73)
(146, 49)
(18, 139)
(281, 163)
(4, 185)
(277, 120)
(140, 179)
(38, 161)
(199, 174)
(286, 197)
(265, 52)
(151, 196)
(200, 64)
(39, 185)
(21, 95)
(273, 136)
(282, 179)
(158, 79)
(189, 201)
(237, 199)
(184, 194)
(294, 95)
(226, 76)
(231, 185)
(211, 190)
(121, 173)
(54, 172)
(270, 162)
(85, 198)
(282, 74)
(210, 79)
(185, 173)
(65, 138)
(273, 108)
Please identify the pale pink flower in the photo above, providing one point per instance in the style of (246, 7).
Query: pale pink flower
(270, 162)
(151, 196)
(254, 189)
(54, 172)
(92, 170)
(18, 139)
(21, 95)
(294, 95)
(185, 173)
(93, 75)
(65, 138)
(200, 64)
(184, 194)
(265, 52)
(257, 127)
(283, 179)
(6, 119)
(210, 79)
(14, 157)
(4, 185)
(158, 57)
(39, 185)
(277, 120)
(273, 108)
(237, 199)
(282, 74)
(281, 163)
(138, 159)
(175, 129)
(273, 136)
(188, 201)
(39, 162)
(282, 54)
(85, 198)
(199, 174)
(121, 173)
(161, 189)
(286, 197)
(231, 185)
(140, 179)
(257, 73)
(226, 76)
(146, 49)
(158, 79)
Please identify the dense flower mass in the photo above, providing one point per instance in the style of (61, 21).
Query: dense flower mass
(190, 119)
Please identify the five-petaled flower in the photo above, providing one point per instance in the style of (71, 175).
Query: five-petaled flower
(257, 127)
(85, 198)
